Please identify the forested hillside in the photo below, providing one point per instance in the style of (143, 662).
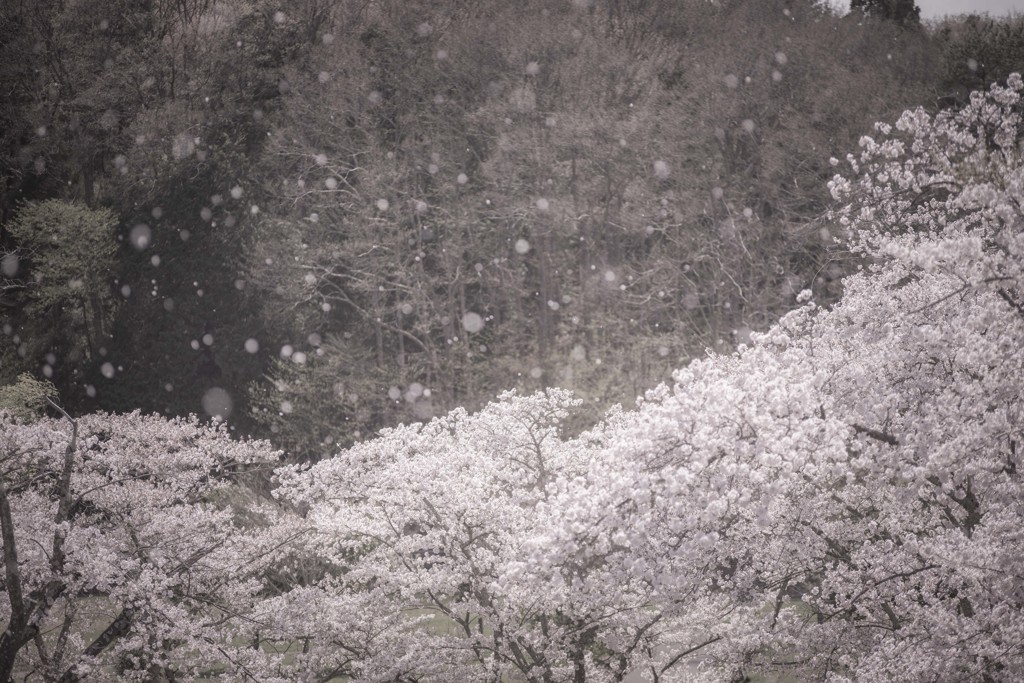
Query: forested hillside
(316, 316)
(840, 500)
(319, 218)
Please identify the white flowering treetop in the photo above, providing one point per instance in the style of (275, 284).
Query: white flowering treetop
(843, 501)
(124, 558)
(422, 523)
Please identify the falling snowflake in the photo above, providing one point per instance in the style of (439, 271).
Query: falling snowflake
(9, 265)
(472, 322)
(217, 403)
(141, 236)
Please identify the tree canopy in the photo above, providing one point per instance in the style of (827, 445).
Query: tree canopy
(419, 204)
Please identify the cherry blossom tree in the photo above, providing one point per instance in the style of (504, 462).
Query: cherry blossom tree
(421, 523)
(128, 548)
(844, 496)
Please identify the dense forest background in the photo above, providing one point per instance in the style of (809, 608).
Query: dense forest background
(320, 217)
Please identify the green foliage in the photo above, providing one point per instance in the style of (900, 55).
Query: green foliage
(70, 249)
(326, 401)
(158, 109)
(27, 398)
(62, 282)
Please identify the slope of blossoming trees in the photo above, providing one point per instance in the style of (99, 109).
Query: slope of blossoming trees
(840, 501)
(848, 490)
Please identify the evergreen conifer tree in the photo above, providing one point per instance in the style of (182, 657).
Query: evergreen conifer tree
(903, 12)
